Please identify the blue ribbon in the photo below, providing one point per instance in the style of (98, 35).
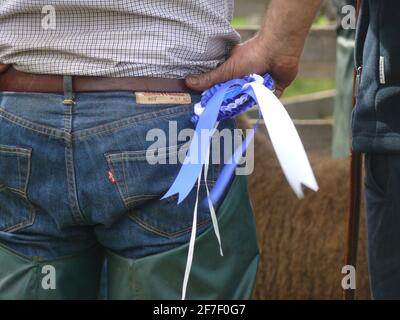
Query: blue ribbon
(227, 172)
(223, 101)
(201, 140)
(229, 169)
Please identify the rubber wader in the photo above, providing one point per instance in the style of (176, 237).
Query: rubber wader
(72, 277)
(155, 277)
(212, 276)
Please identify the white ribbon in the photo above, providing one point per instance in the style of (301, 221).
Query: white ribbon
(192, 241)
(285, 140)
(214, 219)
(288, 148)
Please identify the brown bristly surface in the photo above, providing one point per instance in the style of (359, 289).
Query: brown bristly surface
(302, 242)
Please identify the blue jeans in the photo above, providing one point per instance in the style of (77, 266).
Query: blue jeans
(73, 177)
(382, 188)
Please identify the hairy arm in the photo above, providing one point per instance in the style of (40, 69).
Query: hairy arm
(276, 48)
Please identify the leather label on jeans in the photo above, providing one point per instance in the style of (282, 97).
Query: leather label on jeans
(163, 98)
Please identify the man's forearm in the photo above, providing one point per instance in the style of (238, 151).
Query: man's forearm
(275, 49)
(287, 24)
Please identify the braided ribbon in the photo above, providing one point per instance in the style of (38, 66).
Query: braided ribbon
(225, 101)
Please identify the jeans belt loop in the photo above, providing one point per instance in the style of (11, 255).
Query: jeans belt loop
(68, 91)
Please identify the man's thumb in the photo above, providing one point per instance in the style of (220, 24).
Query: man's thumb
(204, 81)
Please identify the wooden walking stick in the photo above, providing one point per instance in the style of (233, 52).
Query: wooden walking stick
(353, 222)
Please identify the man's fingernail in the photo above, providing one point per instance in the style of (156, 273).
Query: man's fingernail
(195, 81)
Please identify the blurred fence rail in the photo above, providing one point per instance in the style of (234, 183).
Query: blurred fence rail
(312, 113)
(319, 56)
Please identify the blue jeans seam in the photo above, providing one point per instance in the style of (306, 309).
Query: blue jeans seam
(166, 234)
(28, 173)
(30, 221)
(45, 130)
(22, 192)
(119, 156)
(125, 123)
(143, 196)
(15, 150)
(125, 180)
(70, 172)
(131, 200)
(86, 133)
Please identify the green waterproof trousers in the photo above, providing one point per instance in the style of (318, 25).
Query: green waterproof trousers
(153, 277)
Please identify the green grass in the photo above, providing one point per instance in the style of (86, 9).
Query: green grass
(242, 22)
(321, 21)
(239, 22)
(306, 86)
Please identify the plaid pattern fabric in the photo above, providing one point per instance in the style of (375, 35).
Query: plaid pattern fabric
(159, 38)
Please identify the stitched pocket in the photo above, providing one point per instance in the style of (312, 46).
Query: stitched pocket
(142, 180)
(134, 170)
(16, 212)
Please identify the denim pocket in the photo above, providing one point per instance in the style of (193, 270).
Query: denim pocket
(132, 171)
(16, 212)
(141, 183)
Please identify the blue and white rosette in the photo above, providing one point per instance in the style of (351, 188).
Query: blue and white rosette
(225, 101)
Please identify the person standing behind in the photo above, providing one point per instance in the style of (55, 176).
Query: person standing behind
(345, 42)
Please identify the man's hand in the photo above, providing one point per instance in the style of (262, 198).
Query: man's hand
(276, 49)
(4, 67)
(247, 58)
